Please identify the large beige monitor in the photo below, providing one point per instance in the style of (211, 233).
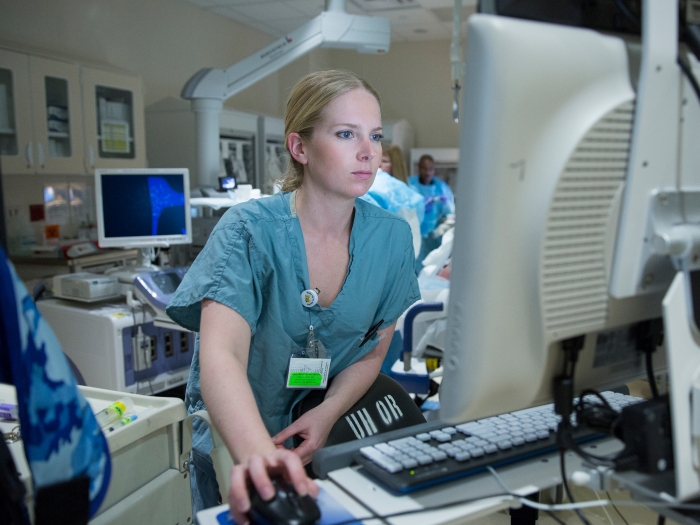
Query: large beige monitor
(546, 127)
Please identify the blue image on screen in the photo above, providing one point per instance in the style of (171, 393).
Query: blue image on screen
(143, 205)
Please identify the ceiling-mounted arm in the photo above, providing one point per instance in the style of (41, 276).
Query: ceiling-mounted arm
(208, 88)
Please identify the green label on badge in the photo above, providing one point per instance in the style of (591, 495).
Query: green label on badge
(305, 379)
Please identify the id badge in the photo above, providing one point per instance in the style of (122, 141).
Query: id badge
(305, 372)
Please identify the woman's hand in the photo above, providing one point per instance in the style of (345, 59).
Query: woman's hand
(313, 427)
(259, 469)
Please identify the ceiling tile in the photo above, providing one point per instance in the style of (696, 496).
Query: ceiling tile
(308, 7)
(235, 3)
(378, 5)
(354, 9)
(203, 3)
(266, 29)
(413, 16)
(410, 19)
(265, 12)
(287, 25)
(229, 12)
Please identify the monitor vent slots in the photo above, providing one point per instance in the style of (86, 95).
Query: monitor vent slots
(573, 271)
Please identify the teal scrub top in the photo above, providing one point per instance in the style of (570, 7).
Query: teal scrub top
(255, 263)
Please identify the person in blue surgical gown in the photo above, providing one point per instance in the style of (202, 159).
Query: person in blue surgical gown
(311, 271)
(439, 203)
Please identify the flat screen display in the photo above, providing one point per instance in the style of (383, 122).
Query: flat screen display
(138, 208)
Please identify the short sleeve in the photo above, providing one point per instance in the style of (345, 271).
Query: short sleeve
(401, 289)
(225, 272)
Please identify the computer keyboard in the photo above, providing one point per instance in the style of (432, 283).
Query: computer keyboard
(416, 457)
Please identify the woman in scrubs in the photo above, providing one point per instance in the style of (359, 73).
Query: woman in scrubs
(312, 268)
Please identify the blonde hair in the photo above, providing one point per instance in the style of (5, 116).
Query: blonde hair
(398, 163)
(305, 105)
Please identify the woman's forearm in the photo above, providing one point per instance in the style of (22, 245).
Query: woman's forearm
(353, 382)
(223, 357)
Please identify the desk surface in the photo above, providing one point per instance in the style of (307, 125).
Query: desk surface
(364, 499)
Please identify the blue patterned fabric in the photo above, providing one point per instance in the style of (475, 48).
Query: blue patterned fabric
(61, 437)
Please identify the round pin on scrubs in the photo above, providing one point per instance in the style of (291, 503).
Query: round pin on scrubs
(309, 298)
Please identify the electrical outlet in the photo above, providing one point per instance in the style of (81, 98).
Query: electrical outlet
(168, 344)
(12, 212)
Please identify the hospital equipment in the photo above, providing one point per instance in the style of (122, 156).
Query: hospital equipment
(208, 88)
(238, 157)
(119, 347)
(85, 287)
(147, 461)
(155, 289)
(143, 208)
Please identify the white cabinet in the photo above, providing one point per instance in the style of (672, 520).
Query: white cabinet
(59, 118)
(41, 119)
(114, 120)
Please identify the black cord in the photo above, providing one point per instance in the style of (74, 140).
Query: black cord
(650, 375)
(689, 75)
(616, 509)
(554, 517)
(566, 487)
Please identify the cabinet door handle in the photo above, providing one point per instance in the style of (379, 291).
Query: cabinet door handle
(91, 157)
(40, 151)
(29, 154)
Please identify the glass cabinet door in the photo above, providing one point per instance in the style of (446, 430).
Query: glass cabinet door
(58, 121)
(16, 144)
(8, 129)
(114, 120)
(57, 116)
(115, 123)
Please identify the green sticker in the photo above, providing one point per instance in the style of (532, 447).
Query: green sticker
(305, 379)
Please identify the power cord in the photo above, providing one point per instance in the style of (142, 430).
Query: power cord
(616, 509)
(562, 466)
(648, 336)
(590, 504)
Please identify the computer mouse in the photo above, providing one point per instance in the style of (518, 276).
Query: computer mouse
(286, 508)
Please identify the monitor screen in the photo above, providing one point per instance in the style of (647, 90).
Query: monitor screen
(142, 207)
(547, 121)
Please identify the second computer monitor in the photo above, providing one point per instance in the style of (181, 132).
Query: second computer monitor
(142, 207)
(547, 118)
